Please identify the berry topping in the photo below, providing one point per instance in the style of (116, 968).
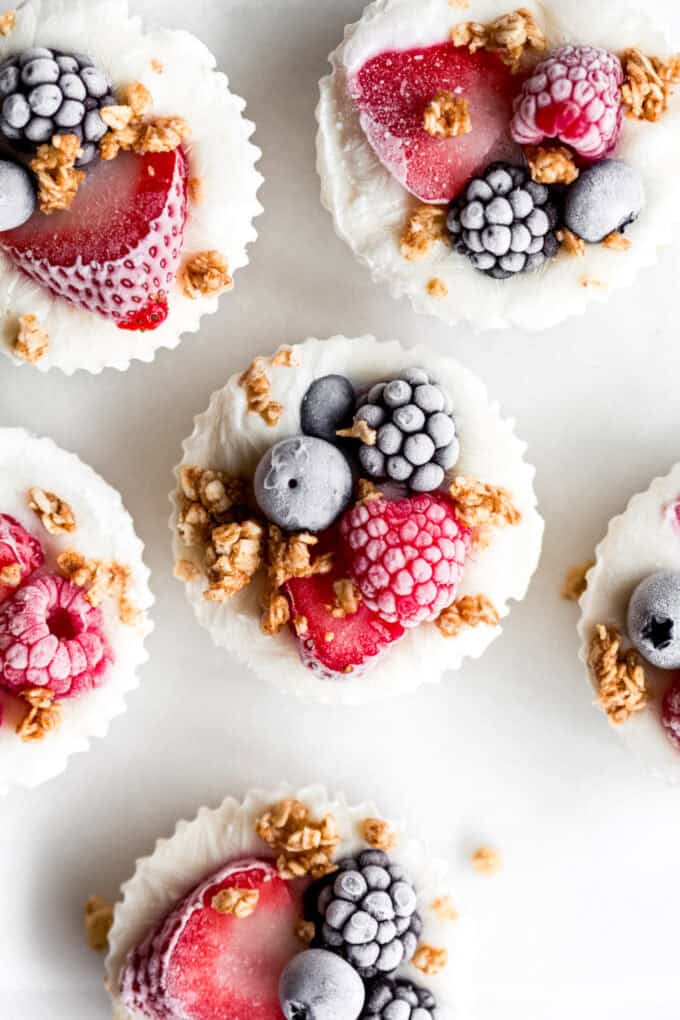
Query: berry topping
(398, 1000)
(504, 222)
(205, 962)
(318, 985)
(303, 484)
(332, 644)
(654, 619)
(606, 197)
(20, 555)
(51, 636)
(574, 96)
(17, 195)
(46, 92)
(149, 316)
(366, 912)
(406, 557)
(327, 407)
(670, 713)
(416, 439)
(119, 243)
(392, 92)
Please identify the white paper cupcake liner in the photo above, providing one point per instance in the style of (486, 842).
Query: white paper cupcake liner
(104, 531)
(644, 539)
(198, 848)
(220, 153)
(228, 438)
(370, 208)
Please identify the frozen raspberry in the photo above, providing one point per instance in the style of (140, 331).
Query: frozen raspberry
(406, 557)
(20, 555)
(50, 636)
(574, 96)
(670, 714)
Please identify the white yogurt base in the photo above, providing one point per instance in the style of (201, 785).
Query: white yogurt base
(104, 531)
(370, 208)
(228, 438)
(644, 539)
(220, 153)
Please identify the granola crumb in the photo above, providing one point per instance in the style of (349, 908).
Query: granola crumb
(367, 492)
(305, 931)
(462, 4)
(234, 556)
(590, 281)
(31, 341)
(479, 505)
(436, 288)
(54, 164)
(378, 834)
(301, 625)
(430, 960)
(8, 22)
(186, 570)
(486, 860)
(285, 357)
(203, 274)
(467, 611)
(10, 575)
(425, 226)
(621, 680)
(551, 164)
(571, 243)
(347, 599)
(287, 557)
(98, 917)
(617, 242)
(257, 384)
(56, 515)
(512, 36)
(305, 847)
(101, 579)
(241, 903)
(130, 132)
(43, 714)
(575, 581)
(648, 84)
(196, 190)
(360, 430)
(444, 908)
(157, 66)
(447, 116)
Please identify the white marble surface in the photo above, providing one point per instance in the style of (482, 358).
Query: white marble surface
(582, 921)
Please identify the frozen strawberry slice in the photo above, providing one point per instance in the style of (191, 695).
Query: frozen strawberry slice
(20, 555)
(203, 964)
(392, 92)
(119, 244)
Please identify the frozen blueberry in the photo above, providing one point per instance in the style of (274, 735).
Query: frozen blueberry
(17, 195)
(319, 985)
(606, 197)
(654, 619)
(303, 484)
(328, 403)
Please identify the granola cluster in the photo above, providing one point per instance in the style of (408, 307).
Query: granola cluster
(467, 611)
(436, 288)
(447, 116)
(617, 242)
(257, 385)
(54, 165)
(575, 581)
(425, 226)
(101, 579)
(8, 22)
(621, 681)
(444, 908)
(31, 341)
(98, 923)
(571, 243)
(43, 714)
(305, 848)
(204, 274)
(347, 599)
(551, 164)
(429, 959)
(479, 505)
(241, 903)
(55, 514)
(486, 860)
(378, 834)
(233, 557)
(287, 557)
(512, 36)
(648, 84)
(131, 131)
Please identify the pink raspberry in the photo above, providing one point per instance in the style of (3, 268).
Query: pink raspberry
(406, 557)
(574, 95)
(50, 636)
(670, 713)
(20, 555)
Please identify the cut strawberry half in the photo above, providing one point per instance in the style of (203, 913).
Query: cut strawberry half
(203, 964)
(392, 92)
(20, 555)
(336, 647)
(120, 242)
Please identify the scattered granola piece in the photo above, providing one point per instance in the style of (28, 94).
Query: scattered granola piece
(617, 242)
(571, 244)
(239, 902)
(425, 225)
(186, 570)
(31, 341)
(58, 180)
(551, 164)
(621, 680)
(43, 715)
(286, 357)
(378, 834)
(467, 611)
(367, 491)
(360, 430)
(301, 625)
(462, 4)
(347, 599)
(203, 274)
(648, 84)
(486, 860)
(575, 581)
(55, 514)
(157, 66)
(98, 917)
(444, 908)
(195, 189)
(511, 36)
(10, 575)
(590, 281)
(8, 22)
(275, 613)
(436, 288)
(102, 579)
(447, 116)
(288, 557)
(430, 959)
(138, 98)
(305, 847)
(257, 385)
(234, 556)
(479, 505)
(129, 132)
(305, 931)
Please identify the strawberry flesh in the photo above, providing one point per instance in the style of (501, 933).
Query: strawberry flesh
(392, 92)
(17, 548)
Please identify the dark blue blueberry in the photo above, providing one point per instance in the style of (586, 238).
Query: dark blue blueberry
(303, 484)
(327, 407)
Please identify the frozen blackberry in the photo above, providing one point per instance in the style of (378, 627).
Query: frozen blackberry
(504, 222)
(47, 92)
(366, 913)
(398, 1000)
(416, 440)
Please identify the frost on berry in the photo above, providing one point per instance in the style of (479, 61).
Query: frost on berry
(20, 555)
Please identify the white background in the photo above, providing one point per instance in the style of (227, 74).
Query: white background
(583, 920)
